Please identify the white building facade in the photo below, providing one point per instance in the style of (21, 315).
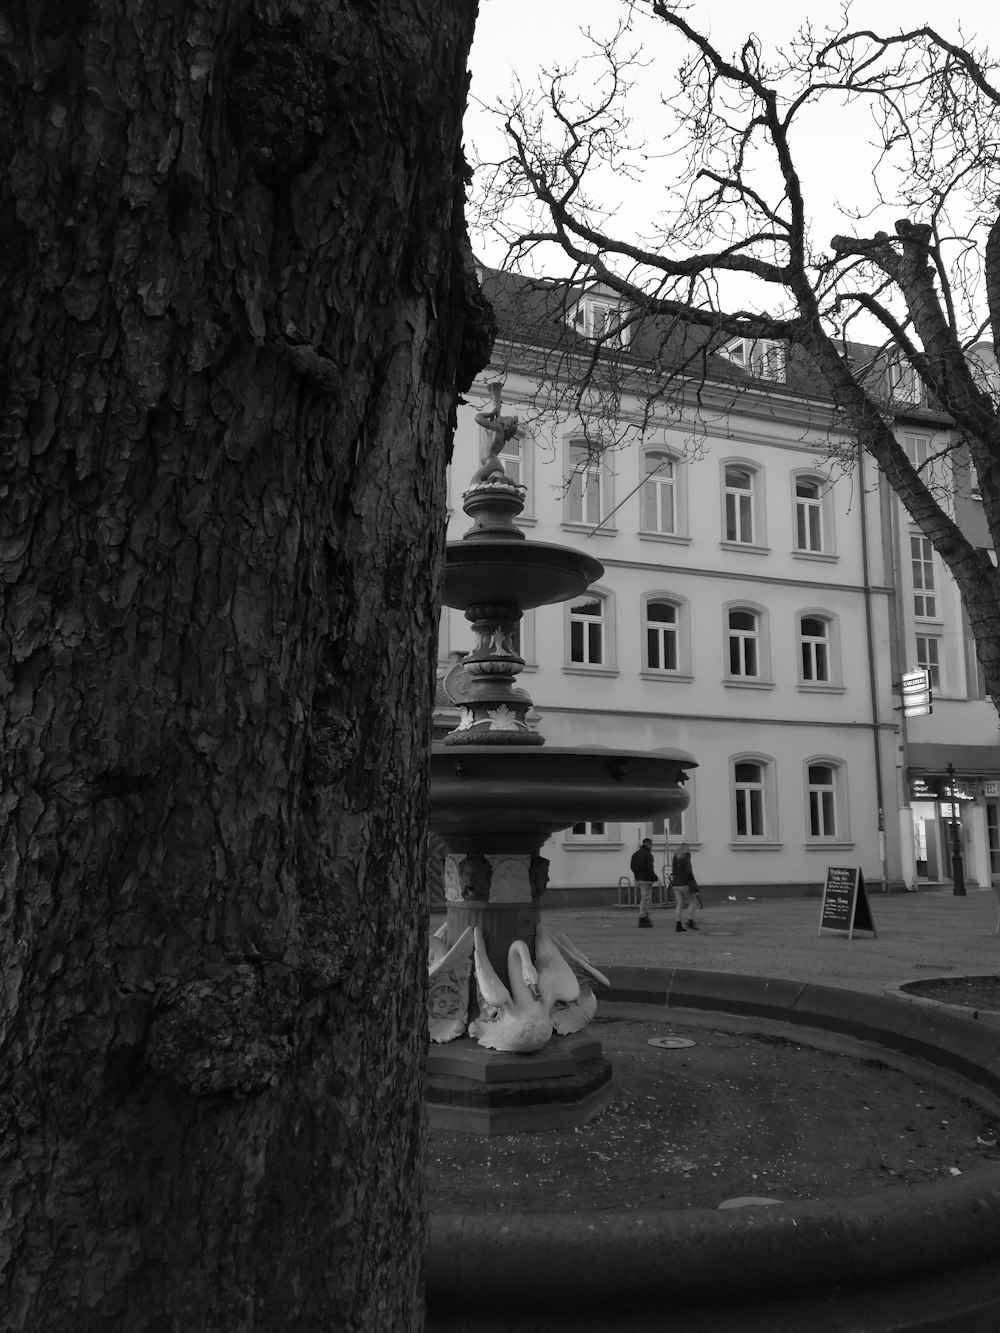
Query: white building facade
(746, 615)
(951, 801)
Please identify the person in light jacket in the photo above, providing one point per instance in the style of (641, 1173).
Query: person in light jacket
(685, 887)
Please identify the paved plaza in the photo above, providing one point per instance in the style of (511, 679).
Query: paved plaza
(919, 935)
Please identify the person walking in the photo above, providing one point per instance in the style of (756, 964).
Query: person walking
(685, 887)
(645, 876)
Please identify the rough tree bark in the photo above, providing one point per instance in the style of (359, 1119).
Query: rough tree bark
(235, 310)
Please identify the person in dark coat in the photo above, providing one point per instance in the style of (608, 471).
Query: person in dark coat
(645, 876)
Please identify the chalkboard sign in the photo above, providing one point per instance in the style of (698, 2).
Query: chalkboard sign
(845, 902)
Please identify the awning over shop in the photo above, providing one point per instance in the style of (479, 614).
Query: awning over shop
(978, 759)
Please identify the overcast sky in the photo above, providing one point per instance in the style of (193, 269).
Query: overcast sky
(521, 36)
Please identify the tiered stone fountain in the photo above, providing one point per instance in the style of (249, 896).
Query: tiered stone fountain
(496, 796)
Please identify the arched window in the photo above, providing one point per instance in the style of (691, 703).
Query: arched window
(740, 523)
(826, 799)
(588, 492)
(587, 636)
(750, 794)
(659, 493)
(822, 792)
(814, 647)
(662, 636)
(808, 515)
(744, 643)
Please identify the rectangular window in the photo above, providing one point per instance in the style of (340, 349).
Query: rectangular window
(928, 657)
(904, 383)
(590, 829)
(917, 449)
(671, 828)
(511, 456)
(922, 567)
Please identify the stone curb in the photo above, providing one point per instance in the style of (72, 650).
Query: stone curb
(584, 1260)
(898, 991)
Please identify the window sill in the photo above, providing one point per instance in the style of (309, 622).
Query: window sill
(683, 676)
(820, 687)
(525, 521)
(592, 846)
(823, 557)
(672, 538)
(745, 548)
(739, 683)
(580, 669)
(591, 529)
(755, 845)
(828, 844)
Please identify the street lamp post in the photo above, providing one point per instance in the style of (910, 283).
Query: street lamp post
(957, 864)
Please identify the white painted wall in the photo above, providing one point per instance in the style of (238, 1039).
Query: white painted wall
(701, 711)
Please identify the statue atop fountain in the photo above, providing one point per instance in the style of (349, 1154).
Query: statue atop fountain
(502, 429)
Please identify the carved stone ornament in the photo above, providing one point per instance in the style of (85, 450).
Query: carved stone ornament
(477, 875)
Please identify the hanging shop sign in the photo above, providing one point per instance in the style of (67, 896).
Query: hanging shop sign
(936, 787)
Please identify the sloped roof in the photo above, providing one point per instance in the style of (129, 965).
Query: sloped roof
(537, 312)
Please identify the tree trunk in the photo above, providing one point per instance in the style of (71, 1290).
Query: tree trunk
(234, 315)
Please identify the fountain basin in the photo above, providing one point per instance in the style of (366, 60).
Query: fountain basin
(914, 1258)
(504, 798)
(526, 574)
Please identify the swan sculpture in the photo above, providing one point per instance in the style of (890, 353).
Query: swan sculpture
(515, 1019)
(555, 956)
(437, 945)
(448, 993)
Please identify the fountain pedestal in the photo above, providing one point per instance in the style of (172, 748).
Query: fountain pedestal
(497, 794)
(497, 1092)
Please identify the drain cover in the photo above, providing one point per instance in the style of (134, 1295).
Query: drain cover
(670, 1043)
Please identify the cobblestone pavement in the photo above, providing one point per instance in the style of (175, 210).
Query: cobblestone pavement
(918, 936)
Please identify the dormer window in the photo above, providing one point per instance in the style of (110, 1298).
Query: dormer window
(902, 381)
(760, 357)
(602, 317)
